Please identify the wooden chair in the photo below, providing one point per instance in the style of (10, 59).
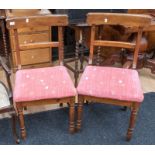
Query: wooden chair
(117, 86)
(6, 100)
(47, 85)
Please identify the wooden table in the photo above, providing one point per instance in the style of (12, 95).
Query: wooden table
(80, 50)
(148, 63)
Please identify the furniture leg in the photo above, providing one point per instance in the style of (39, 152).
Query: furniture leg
(82, 50)
(82, 57)
(133, 116)
(79, 113)
(76, 73)
(21, 120)
(71, 117)
(4, 41)
(13, 121)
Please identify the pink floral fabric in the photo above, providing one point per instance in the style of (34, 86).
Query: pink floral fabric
(111, 83)
(43, 83)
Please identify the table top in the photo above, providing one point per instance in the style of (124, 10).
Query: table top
(24, 12)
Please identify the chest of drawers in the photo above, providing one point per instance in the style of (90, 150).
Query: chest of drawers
(35, 57)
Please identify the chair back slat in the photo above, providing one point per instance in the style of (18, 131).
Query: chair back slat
(98, 20)
(17, 23)
(32, 21)
(128, 20)
(120, 44)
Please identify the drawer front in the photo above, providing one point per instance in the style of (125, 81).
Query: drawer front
(34, 56)
(24, 39)
(32, 30)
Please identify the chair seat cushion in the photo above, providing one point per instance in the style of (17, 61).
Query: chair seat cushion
(4, 98)
(43, 83)
(111, 83)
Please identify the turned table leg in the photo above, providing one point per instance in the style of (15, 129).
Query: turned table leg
(21, 120)
(132, 122)
(5, 41)
(82, 49)
(71, 117)
(76, 72)
(79, 114)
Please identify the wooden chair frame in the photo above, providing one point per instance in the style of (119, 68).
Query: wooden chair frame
(98, 20)
(49, 20)
(9, 109)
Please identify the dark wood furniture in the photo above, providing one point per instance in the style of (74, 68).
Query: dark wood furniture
(4, 38)
(61, 21)
(6, 103)
(97, 21)
(39, 33)
(80, 50)
(148, 55)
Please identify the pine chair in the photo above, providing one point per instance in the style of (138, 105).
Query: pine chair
(41, 86)
(6, 100)
(117, 86)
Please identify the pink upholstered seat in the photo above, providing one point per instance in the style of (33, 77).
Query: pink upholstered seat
(43, 83)
(111, 83)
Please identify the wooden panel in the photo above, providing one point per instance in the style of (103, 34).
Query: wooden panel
(31, 21)
(32, 30)
(24, 39)
(151, 40)
(129, 20)
(141, 11)
(26, 12)
(39, 45)
(34, 56)
(31, 33)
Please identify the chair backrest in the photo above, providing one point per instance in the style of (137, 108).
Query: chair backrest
(127, 20)
(34, 21)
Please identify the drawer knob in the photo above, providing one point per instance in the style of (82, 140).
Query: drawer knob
(32, 57)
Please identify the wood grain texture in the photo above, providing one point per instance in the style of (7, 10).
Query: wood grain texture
(96, 20)
(128, 20)
(31, 21)
(120, 44)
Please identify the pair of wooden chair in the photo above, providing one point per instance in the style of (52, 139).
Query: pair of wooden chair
(53, 84)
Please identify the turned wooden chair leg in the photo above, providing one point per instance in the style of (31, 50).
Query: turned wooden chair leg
(72, 117)
(133, 116)
(79, 113)
(21, 120)
(13, 121)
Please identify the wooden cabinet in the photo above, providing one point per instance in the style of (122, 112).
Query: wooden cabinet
(35, 57)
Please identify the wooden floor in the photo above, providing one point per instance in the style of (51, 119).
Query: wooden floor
(147, 81)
